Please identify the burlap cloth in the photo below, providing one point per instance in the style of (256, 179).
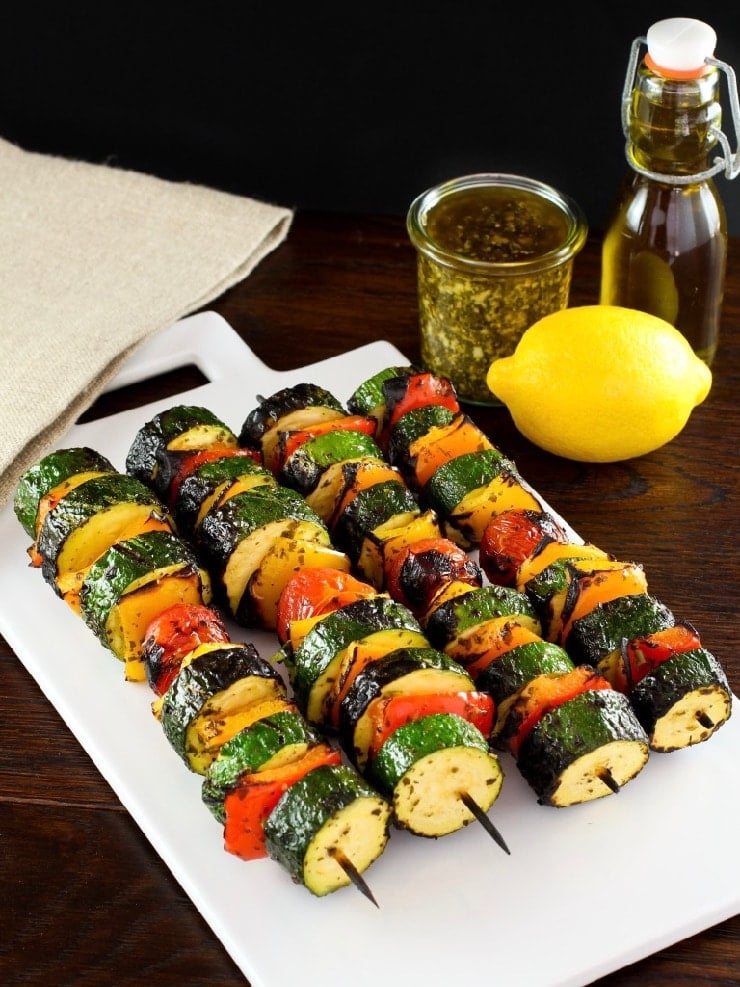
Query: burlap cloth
(93, 260)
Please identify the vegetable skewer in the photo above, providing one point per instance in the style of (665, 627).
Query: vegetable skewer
(678, 688)
(128, 584)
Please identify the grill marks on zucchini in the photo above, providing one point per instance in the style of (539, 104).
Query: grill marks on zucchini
(131, 584)
(88, 520)
(183, 427)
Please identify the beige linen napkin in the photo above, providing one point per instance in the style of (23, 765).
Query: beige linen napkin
(93, 260)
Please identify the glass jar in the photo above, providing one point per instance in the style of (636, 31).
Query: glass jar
(494, 254)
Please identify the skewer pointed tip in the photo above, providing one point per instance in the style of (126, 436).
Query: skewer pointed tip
(607, 777)
(353, 874)
(483, 819)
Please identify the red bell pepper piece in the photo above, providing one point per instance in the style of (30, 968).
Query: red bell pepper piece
(388, 713)
(174, 633)
(512, 537)
(643, 654)
(248, 805)
(314, 592)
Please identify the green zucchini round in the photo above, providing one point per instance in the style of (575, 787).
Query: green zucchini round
(598, 633)
(412, 426)
(461, 613)
(329, 814)
(683, 701)
(249, 750)
(53, 469)
(460, 476)
(510, 672)
(303, 470)
(426, 765)
(270, 410)
(204, 481)
(163, 429)
(225, 526)
(540, 589)
(333, 633)
(123, 564)
(574, 747)
(405, 670)
(369, 398)
(202, 678)
(369, 509)
(85, 505)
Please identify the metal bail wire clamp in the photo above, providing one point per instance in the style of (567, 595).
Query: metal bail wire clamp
(727, 162)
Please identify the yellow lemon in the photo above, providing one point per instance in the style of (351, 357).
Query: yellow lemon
(600, 383)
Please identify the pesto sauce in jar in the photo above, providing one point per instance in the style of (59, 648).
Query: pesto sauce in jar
(494, 256)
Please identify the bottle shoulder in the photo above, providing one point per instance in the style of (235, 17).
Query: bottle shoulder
(679, 217)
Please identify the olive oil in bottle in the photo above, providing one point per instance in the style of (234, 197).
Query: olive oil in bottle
(665, 249)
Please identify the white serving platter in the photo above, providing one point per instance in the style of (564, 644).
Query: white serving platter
(585, 891)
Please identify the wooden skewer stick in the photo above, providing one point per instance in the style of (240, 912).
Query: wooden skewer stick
(483, 819)
(607, 777)
(706, 721)
(353, 874)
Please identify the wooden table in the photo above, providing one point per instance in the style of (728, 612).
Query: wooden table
(86, 899)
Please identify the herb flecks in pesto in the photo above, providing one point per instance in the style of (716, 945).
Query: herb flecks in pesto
(480, 287)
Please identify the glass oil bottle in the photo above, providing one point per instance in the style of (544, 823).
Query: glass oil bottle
(665, 249)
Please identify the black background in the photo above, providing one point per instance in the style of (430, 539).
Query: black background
(342, 106)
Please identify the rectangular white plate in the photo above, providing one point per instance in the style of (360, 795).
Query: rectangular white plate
(586, 890)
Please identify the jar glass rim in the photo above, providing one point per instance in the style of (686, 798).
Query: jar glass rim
(422, 205)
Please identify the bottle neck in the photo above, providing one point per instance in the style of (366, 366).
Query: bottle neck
(673, 124)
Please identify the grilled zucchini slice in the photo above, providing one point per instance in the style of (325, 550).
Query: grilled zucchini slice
(584, 749)
(329, 816)
(50, 479)
(503, 677)
(133, 582)
(412, 426)
(683, 701)
(453, 621)
(370, 508)
(407, 670)
(88, 520)
(209, 697)
(318, 656)
(235, 537)
(279, 734)
(596, 638)
(425, 766)
(179, 428)
(369, 397)
(303, 469)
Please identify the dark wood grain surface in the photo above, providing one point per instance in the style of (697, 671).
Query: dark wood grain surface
(86, 900)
